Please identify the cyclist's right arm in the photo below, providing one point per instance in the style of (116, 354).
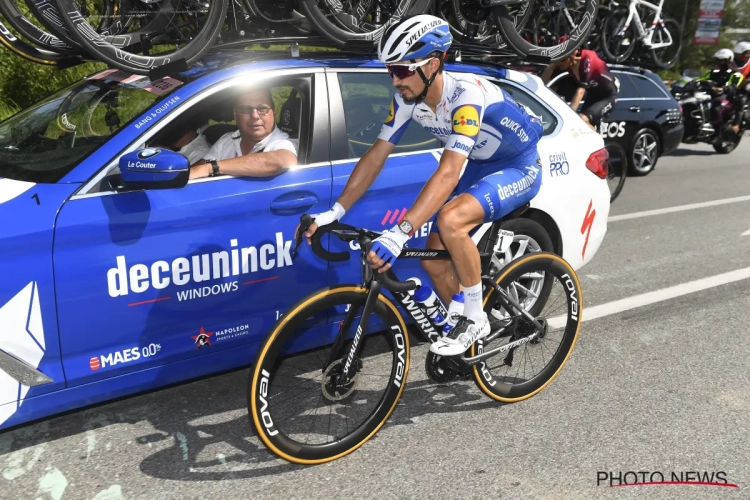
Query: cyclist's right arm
(369, 166)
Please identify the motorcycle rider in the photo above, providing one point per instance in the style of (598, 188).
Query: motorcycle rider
(725, 81)
(742, 61)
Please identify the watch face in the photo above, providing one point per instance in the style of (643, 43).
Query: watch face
(406, 227)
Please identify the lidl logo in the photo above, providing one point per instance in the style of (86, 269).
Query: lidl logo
(466, 121)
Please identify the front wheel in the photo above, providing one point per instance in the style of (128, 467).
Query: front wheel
(666, 32)
(297, 401)
(519, 371)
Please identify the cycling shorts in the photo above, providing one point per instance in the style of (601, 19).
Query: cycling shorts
(596, 110)
(599, 101)
(502, 186)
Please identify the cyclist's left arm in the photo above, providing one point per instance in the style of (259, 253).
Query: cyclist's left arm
(466, 118)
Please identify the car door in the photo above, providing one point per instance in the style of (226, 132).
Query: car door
(625, 118)
(150, 277)
(361, 98)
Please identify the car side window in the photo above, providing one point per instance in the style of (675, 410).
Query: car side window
(648, 89)
(549, 121)
(214, 116)
(367, 99)
(628, 89)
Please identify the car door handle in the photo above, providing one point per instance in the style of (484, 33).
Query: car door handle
(637, 109)
(293, 205)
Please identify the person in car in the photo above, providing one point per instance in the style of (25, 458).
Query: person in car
(592, 78)
(188, 140)
(257, 149)
(484, 130)
(725, 80)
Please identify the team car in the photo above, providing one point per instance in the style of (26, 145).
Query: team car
(110, 286)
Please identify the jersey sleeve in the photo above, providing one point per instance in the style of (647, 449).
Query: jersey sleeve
(397, 121)
(585, 71)
(467, 112)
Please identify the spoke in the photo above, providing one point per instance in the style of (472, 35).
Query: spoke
(528, 292)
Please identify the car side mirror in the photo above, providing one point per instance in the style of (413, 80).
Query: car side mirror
(153, 168)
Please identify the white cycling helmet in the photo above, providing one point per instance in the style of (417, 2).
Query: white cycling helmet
(724, 55)
(742, 47)
(414, 38)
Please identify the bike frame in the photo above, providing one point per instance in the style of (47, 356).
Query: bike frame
(644, 34)
(424, 325)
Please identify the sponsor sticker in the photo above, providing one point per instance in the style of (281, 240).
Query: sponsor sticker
(123, 356)
(466, 120)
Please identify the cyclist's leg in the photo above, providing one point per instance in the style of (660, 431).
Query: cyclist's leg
(443, 272)
(491, 198)
(597, 109)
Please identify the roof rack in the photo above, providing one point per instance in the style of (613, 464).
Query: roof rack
(293, 44)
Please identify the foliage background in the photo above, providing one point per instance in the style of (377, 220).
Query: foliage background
(23, 82)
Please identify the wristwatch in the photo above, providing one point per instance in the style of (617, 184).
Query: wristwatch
(406, 227)
(214, 168)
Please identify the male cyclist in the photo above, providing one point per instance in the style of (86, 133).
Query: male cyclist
(593, 80)
(475, 119)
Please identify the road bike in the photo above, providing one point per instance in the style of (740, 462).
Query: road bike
(332, 369)
(623, 29)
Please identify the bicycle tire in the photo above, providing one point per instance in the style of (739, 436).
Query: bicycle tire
(556, 52)
(339, 36)
(675, 39)
(262, 377)
(49, 15)
(623, 173)
(31, 32)
(607, 33)
(110, 52)
(34, 54)
(557, 267)
(493, 39)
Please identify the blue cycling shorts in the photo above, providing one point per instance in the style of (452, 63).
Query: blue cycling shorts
(501, 187)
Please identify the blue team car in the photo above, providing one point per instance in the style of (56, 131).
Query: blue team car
(109, 286)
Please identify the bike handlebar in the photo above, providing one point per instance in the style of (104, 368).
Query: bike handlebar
(346, 232)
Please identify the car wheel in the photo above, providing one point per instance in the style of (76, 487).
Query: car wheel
(644, 152)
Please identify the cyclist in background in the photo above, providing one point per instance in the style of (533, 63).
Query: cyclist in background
(593, 80)
(476, 121)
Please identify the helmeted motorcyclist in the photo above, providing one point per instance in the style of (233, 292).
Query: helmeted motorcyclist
(725, 79)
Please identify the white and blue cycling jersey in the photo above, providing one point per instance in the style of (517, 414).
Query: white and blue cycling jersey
(474, 117)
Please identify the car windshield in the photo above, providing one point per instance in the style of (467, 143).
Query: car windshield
(47, 140)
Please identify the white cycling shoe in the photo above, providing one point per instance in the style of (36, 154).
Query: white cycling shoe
(465, 333)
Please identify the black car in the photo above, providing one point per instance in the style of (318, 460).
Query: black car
(646, 119)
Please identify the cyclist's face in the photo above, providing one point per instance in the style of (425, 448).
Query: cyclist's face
(411, 86)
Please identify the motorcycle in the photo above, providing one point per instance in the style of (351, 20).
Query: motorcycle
(695, 99)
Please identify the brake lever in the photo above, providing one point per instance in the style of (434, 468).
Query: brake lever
(305, 222)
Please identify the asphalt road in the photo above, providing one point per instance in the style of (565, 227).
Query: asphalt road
(657, 388)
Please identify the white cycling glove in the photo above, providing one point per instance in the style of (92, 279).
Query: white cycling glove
(335, 213)
(388, 245)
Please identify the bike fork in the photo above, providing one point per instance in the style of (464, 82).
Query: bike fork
(356, 346)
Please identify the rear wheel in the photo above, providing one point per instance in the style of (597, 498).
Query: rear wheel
(520, 371)
(300, 408)
(618, 43)
(618, 169)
